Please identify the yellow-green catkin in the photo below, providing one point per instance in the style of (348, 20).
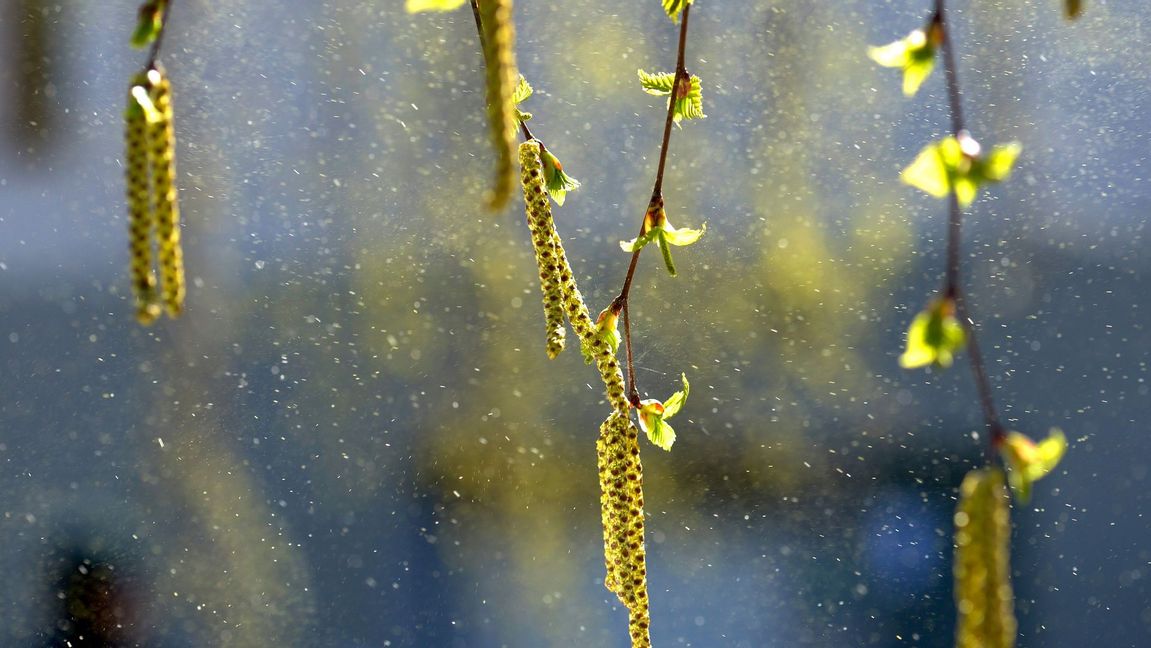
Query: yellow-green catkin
(539, 215)
(621, 508)
(162, 159)
(139, 195)
(500, 82)
(982, 566)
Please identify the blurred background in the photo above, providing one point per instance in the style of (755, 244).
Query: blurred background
(353, 436)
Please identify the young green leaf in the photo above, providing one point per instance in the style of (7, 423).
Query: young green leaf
(607, 328)
(914, 54)
(688, 97)
(416, 6)
(659, 84)
(149, 23)
(656, 227)
(933, 338)
(1028, 461)
(653, 416)
(523, 90)
(673, 404)
(558, 182)
(674, 7)
(957, 164)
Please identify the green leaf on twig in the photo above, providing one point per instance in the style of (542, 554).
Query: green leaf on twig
(1028, 461)
(688, 97)
(957, 164)
(653, 416)
(914, 54)
(934, 337)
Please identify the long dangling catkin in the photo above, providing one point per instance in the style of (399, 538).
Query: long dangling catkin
(621, 508)
(539, 215)
(162, 141)
(139, 197)
(500, 82)
(982, 569)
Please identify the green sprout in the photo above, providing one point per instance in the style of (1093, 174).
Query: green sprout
(653, 416)
(1028, 461)
(958, 164)
(914, 54)
(656, 227)
(933, 338)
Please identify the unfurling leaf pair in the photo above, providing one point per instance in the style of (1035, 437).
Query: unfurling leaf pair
(653, 416)
(657, 228)
(914, 54)
(1028, 461)
(958, 164)
(150, 172)
(934, 337)
(688, 93)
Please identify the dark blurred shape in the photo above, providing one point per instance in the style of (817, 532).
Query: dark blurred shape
(31, 56)
(92, 599)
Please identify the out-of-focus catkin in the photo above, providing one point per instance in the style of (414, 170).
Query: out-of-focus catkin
(982, 566)
(162, 141)
(150, 175)
(139, 197)
(500, 82)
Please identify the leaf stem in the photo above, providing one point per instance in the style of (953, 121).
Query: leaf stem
(154, 52)
(656, 197)
(952, 288)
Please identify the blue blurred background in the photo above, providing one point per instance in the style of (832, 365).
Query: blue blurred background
(353, 436)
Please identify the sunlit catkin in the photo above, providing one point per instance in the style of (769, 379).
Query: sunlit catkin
(621, 508)
(982, 571)
(539, 216)
(139, 196)
(500, 82)
(162, 160)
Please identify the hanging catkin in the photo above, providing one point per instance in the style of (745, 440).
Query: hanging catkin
(139, 195)
(150, 174)
(162, 141)
(982, 570)
(621, 509)
(539, 216)
(500, 82)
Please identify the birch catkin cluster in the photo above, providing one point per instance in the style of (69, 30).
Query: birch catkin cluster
(500, 82)
(982, 571)
(153, 213)
(617, 449)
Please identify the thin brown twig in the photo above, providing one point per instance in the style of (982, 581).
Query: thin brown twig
(656, 198)
(952, 287)
(154, 52)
